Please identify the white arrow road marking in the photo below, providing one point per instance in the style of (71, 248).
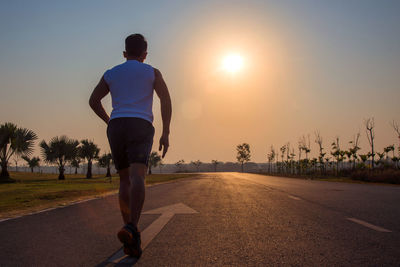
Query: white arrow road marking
(293, 197)
(153, 229)
(371, 226)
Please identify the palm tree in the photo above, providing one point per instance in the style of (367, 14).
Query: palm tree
(32, 162)
(271, 157)
(59, 150)
(215, 163)
(243, 154)
(337, 153)
(89, 151)
(16, 158)
(179, 164)
(369, 126)
(14, 140)
(388, 149)
(154, 160)
(395, 161)
(197, 163)
(292, 161)
(381, 160)
(354, 149)
(318, 140)
(364, 158)
(161, 165)
(105, 162)
(283, 149)
(75, 163)
(396, 128)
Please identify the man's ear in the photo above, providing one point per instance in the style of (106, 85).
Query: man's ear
(144, 55)
(125, 54)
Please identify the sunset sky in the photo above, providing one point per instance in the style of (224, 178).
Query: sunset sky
(306, 66)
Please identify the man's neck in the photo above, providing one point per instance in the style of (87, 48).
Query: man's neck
(134, 58)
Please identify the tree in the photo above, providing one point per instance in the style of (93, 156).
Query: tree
(59, 150)
(75, 163)
(14, 141)
(89, 151)
(76, 160)
(395, 161)
(16, 158)
(396, 128)
(369, 127)
(32, 162)
(215, 163)
(318, 140)
(105, 162)
(197, 163)
(306, 147)
(283, 150)
(387, 149)
(161, 165)
(364, 158)
(243, 154)
(288, 158)
(292, 161)
(354, 149)
(271, 156)
(154, 160)
(381, 160)
(179, 164)
(337, 153)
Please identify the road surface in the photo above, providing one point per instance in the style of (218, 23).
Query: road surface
(217, 219)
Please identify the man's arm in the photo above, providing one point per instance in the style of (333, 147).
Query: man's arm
(166, 109)
(100, 91)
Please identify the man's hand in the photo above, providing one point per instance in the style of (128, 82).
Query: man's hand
(164, 144)
(166, 110)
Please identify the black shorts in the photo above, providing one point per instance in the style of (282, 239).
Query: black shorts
(131, 140)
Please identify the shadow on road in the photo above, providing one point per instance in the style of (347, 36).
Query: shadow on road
(118, 259)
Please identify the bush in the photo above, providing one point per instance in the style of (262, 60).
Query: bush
(381, 176)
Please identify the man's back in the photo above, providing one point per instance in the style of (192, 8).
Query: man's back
(131, 86)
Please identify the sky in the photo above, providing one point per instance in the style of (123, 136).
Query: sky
(307, 66)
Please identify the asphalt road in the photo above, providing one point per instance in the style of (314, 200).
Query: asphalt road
(242, 220)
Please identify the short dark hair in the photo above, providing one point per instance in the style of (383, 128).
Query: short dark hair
(135, 44)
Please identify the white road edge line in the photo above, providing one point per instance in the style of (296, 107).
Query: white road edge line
(293, 197)
(371, 226)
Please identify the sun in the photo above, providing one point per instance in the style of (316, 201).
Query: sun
(232, 63)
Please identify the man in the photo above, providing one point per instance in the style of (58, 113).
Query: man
(130, 131)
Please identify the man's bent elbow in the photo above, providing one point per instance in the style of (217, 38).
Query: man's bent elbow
(93, 103)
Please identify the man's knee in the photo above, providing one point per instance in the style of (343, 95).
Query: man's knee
(137, 173)
(136, 180)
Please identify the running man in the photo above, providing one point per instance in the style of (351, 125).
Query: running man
(130, 131)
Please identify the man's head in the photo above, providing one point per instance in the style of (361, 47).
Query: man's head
(135, 47)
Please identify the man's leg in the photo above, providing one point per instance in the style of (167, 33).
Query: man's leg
(124, 189)
(137, 173)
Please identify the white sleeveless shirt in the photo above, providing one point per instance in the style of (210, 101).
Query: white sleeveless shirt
(131, 87)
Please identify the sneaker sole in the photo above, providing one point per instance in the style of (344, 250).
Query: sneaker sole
(132, 252)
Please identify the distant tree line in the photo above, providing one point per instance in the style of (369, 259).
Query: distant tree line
(288, 159)
(339, 161)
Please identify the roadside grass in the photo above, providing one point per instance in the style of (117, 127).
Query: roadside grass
(34, 191)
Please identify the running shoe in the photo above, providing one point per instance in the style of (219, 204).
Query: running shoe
(130, 237)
